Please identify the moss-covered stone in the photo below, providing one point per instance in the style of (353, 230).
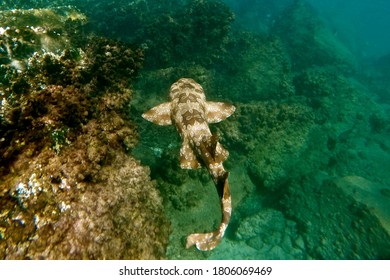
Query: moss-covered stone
(24, 32)
(309, 42)
(334, 226)
(69, 189)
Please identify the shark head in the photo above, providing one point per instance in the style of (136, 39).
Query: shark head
(186, 87)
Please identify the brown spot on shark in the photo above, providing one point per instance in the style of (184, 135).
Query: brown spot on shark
(189, 111)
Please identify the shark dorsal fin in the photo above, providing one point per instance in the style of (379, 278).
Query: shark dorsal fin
(218, 111)
(160, 114)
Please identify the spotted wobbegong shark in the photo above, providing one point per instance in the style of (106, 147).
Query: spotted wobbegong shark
(189, 111)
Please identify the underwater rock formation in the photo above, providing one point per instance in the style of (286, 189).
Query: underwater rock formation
(171, 32)
(375, 197)
(333, 225)
(24, 32)
(272, 135)
(309, 42)
(283, 243)
(377, 77)
(196, 33)
(257, 67)
(257, 15)
(69, 189)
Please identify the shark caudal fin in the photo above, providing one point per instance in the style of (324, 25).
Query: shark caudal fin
(208, 241)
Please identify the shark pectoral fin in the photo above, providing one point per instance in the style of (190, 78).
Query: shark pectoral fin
(160, 114)
(188, 159)
(218, 111)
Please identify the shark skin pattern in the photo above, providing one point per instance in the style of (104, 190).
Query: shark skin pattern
(189, 111)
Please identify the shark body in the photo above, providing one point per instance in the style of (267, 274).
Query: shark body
(189, 111)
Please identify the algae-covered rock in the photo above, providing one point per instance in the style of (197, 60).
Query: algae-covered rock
(257, 67)
(196, 33)
(49, 216)
(23, 32)
(334, 225)
(271, 234)
(172, 32)
(271, 135)
(69, 188)
(309, 41)
(375, 197)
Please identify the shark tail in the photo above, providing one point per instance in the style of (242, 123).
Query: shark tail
(208, 241)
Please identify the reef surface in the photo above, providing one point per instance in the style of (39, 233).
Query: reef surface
(69, 188)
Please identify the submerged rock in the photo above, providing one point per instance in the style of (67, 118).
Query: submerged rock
(374, 196)
(271, 234)
(309, 41)
(23, 32)
(69, 188)
(333, 224)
